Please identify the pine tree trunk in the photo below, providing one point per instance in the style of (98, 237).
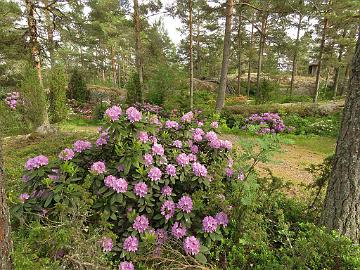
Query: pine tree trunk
(226, 53)
(191, 61)
(198, 57)
(50, 34)
(344, 84)
(138, 52)
(318, 71)
(337, 69)
(239, 51)
(113, 66)
(5, 237)
(260, 57)
(341, 208)
(250, 58)
(294, 63)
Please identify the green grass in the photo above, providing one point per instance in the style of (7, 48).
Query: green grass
(319, 144)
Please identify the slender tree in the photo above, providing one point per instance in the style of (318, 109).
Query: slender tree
(239, 48)
(250, 59)
(191, 61)
(337, 68)
(5, 237)
(321, 52)
(260, 55)
(341, 208)
(226, 53)
(138, 52)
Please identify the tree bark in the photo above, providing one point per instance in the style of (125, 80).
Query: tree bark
(322, 45)
(113, 66)
(250, 58)
(191, 61)
(341, 208)
(337, 69)
(344, 84)
(226, 53)
(138, 52)
(260, 57)
(294, 63)
(50, 34)
(239, 51)
(5, 237)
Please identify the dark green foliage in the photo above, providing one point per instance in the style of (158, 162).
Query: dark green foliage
(57, 96)
(132, 87)
(33, 96)
(100, 109)
(77, 87)
(268, 89)
(11, 121)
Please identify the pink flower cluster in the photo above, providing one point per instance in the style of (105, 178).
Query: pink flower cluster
(185, 204)
(182, 159)
(133, 114)
(80, 146)
(98, 167)
(12, 99)
(67, 154)
(188, 117)
(172, 124)
(191, 245)
(113, 113)
(120, 185)
(140, 189)
(131, 244)
(36, 162)
(126, 266)
(155, 174)
(199, 169)
(106, 244)
(178, 230)
(168, 209)
(141, 223)
(143, 137)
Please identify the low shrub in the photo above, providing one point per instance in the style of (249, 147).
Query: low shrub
(57, 97)
(144, 181)
(266, 123)
(77, 87)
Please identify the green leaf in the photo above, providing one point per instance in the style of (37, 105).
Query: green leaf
(201, 258)
(48, 200)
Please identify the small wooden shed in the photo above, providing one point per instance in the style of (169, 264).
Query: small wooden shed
(313, 67)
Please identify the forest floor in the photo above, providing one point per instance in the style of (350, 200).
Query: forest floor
(290, 163)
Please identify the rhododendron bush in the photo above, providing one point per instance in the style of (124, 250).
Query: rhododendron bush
(145, 178)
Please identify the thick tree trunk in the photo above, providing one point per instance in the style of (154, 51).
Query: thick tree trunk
(191, 61)
(220, 100)
(5, 237)
(250, 58)
(138, 52)
(294, 63)
(341, 208)
(321, 51)
(239, 51)
(337, 69)
(260, 57)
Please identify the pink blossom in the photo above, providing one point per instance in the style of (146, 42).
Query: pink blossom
(158, 149)
(182, 159)
(113, 113)
(143, 137)
(155, 174)
(140, 189)
(36, 162)
(199, 169)
(222, 219)
(133, 114)
(187, 118)
(209, 224)
(171, 170)
(185, 204)
(168, 209)
(166, 191)
(131, 244)
(141, 223)
(126, 266)
(177, 144)
(98, 167)
(23, 197)
(66, 154)
(106, 244)
(214, 124)
(191, 245)
(80, 146)
(178, 230)
(148, 159)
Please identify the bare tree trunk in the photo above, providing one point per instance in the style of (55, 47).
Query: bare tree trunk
(138, 52)
(5, 237)
(322, 45)
(34, 45)
(191, 61)
(294, 63)
(50, 33)
(337, 69)
(35, 55)
(220, 100)
(260, 57)
(113, 66)
(250, 58)
(198, 57)
(341, 208)
(239, 51)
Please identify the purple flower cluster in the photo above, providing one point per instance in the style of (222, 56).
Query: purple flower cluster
(106, 244)
(98, 167)
(80, 146)
(36, 162)
(187, 117)
(268, 122)
(178, 230)
(67, 154)
(199, 169)
(131, 244)
(222, 219)
(143, 137)
(120, 185)
(23, 197)
(171, 170)
(126, 266)
(185, 204)
(214, 124)
(177, 144)
(140, 189)
(103, 138)
(113, 113)
(157, 149)
(168, 209)
(182, 159)
(133, 114)
(172, 124)
(209, 224)
(155, 174)
(166, 191)
(148, 159)
(12, 99)
(191, 245)
(141, 223)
